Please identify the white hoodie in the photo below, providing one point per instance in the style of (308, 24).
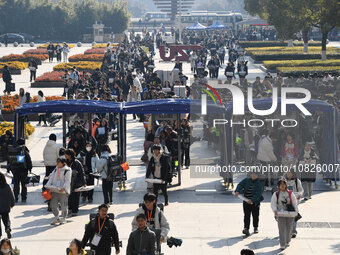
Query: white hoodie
(64, 177)
(51, 153)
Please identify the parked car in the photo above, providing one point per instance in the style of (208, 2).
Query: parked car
(28, 38)
(12, 38)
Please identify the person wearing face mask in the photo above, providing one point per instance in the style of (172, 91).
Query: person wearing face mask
(60, 178)
(6, 247)
(91, 160)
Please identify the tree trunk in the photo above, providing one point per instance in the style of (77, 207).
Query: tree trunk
(323, 47)
(305, 41)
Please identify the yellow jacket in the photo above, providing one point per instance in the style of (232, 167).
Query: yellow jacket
(83, 252)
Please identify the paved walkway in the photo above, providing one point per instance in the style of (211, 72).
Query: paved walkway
(207, 218)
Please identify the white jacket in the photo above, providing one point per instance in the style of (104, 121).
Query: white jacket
(266, 150)
(160, 221)
(102, 164)
(298, 190)
(65, 178)
(138, 85)
(51, 153)
(274, 202)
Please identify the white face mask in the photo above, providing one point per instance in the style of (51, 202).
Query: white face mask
(88, 149)
(5, 251)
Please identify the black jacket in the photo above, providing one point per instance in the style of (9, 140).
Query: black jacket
(109, 235)
(6, 76)
(33, 64)
(78, 175)
(148, 244)
(7, 198)
(164, 161)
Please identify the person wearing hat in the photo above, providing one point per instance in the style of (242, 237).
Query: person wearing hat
(159, 168)
(5, 140)
(251, 188)
(284, 200)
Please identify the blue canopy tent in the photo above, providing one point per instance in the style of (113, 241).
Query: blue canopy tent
(161, 106)
(196, 26)
(328, 152)
(217, 25)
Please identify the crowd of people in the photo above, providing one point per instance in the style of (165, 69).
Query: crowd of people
(128, 74)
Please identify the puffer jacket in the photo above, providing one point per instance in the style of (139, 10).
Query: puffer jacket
(51, 153)
(65, 178)
(266, 150)
(160, 221)
(7, 198)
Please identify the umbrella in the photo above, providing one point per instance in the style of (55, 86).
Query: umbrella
(196, 26)
(217, 25)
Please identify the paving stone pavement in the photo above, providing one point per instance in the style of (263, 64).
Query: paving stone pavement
(207, 218)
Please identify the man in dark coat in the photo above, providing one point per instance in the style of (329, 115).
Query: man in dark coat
(32, 65)
(6, 203)
(159, 168)
(7, 78)
(102, 232)
(50, 50)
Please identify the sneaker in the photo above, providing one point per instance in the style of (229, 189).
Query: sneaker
(293, 235)
(8, 232)
(306, 198)
(282, 248)
(246, 232)
(45, 125)
(310, 198)
(62, 220)
(55, 221)
(256, 230)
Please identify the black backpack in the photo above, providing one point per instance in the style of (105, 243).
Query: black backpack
(113, 167)
(16, 157)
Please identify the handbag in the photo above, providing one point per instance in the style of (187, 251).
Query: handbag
(32, 180)
(144, 158)
(298, 217)
(12, 87)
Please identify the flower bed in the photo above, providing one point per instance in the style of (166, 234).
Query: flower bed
(277, 55)
(296, 49)
(24, 58)
(104, 45)
(272, 65)
(50, 76)
(44, 46)
(81, 66)
(86, 57)
(15, 67)
(9, 103)
(36, 51)
(306, 70)
(95, 51)
(246, 44)
(4, 126)
(49, 80)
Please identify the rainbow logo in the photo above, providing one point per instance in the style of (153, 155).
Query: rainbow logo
(204, 98)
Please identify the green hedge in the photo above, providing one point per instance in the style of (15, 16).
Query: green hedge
(263, 56)
(246, 44)
(296, 49)
(272, 65)
(306, 70)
